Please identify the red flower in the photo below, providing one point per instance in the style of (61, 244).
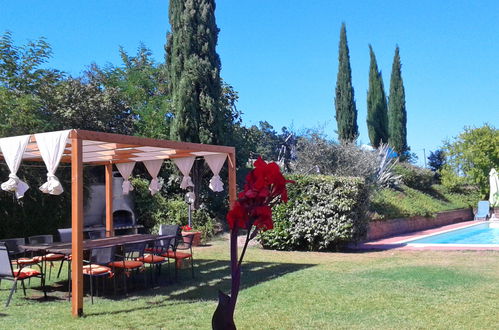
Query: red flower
(237, 216)
(263, 217)
(265, 186)
(186, 228)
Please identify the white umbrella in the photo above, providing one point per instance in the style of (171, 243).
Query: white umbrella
(494, 188)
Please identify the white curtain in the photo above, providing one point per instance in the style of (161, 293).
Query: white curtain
(13, 150)
(153, 167)
(125, 171)
(185, 165)
(215, 162)
(51, 146)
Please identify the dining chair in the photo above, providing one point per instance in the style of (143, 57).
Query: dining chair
(15, 275)
(185, 244)
(98, 266)
(155, 256)
(129, 261)
(49, 257)
(65, 235)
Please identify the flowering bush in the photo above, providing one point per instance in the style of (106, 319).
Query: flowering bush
(265, 187)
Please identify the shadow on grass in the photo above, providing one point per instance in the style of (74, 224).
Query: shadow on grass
(210, 276)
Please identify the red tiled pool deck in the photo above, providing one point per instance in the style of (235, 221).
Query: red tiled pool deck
(399, 241)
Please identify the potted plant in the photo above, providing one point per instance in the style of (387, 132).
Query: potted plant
(187, 230)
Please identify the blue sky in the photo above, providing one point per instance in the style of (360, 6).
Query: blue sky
(282, 55)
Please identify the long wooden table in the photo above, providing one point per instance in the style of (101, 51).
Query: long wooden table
(89, 244)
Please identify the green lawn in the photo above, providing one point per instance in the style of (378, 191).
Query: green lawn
(295, 290)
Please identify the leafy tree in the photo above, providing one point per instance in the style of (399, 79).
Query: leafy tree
(397, 116)
(194, 73)
(346, 112)
(139, 83)
(377, 118)
(436, 160)
(24, 85)
(470, 157)
(77, 104)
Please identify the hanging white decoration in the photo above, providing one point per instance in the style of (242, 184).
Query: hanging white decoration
(13, 149)
(215, 162)
(51, 146)
(153, 167)
(125, 170)
(185, 166)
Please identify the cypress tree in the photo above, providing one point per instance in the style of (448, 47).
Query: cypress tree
(397, 116)
(377, 118)
(346, 112)
(193, 68)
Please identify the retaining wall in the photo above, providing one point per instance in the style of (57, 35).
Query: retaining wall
(385, 228)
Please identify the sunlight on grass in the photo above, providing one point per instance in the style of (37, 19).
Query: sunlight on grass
(293, 290)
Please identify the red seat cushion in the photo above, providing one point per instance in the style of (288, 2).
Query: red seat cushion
(178, 255)
(96, 270)
(25, 273)
(127, 264)
(151, 259)
(53, 257)
(27, 261)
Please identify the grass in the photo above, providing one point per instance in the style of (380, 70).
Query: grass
(295, 290)
(408, 202)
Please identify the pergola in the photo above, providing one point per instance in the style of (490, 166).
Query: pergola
(106, 149)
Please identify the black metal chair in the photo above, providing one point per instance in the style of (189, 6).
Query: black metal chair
(15, 275)
(65, 235)
(18, 254)
(185, 244)
(156, 255)
(49, 257)
(171, 230)
(98, 266)
(129, 261)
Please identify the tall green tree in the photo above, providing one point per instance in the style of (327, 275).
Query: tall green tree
(397, 115)
(344, 101)
(194, 73)
(377, 117)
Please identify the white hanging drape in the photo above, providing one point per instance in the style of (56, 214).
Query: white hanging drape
(215, 162)
(153, 167)
(125, 171)
(13, 150)
(51, 146)
(185, 165)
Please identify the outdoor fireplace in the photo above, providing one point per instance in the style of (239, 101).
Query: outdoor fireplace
(124, 220)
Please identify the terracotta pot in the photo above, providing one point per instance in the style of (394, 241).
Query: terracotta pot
(197, 236)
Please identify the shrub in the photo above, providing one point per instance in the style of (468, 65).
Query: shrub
(323, 213)
(316, 154)
(415, 177)
(408, 202)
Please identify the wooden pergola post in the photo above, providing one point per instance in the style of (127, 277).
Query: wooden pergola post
(109, 200)
(232, 178)
(77, 225)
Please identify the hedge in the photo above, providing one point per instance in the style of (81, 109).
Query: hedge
(323, 213)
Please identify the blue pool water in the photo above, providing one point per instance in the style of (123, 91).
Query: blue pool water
(478, 234)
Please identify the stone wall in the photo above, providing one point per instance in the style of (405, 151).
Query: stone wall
(385, 228)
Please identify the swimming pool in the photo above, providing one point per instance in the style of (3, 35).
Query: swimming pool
(483, 234)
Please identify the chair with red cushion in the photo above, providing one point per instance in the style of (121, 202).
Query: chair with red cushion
(155, 255)
(50, 257)
(129, 261)
(177, 252)
(15, 275)
(98, 266)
